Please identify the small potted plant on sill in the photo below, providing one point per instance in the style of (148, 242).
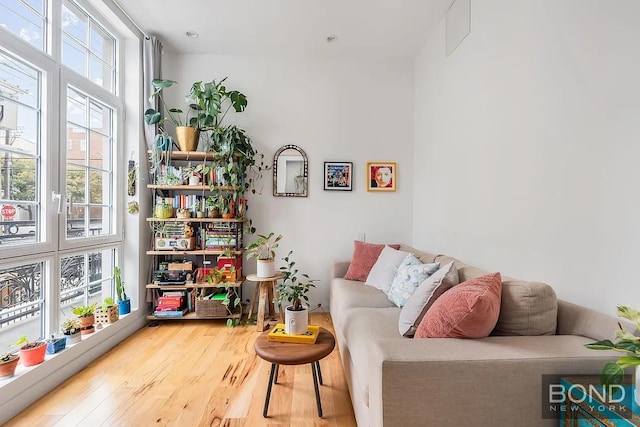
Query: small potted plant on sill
(294, 291)
(31, 353)
(86, 315)
(71, 328)
(8, 363)
(108, 312)
(124, 303)
(55, 345)
(263, 249)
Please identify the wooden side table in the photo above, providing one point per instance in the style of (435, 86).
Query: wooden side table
(289, 353)
(264, 292)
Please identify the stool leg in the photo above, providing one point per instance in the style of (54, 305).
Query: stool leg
(315, 385)
(275, 379)
(319, 372)
(266, 400)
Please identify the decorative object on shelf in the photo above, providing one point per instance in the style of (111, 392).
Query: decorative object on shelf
(294, 291)
(338, 176)
(163, 210)
(31, 353)
(613, 372)
(71, 328)
(263, 250)
(183, 213)
(108, 313)
(381, 176)
(55, 345)
(193, 174)
(8, 363)
(290, 172)
(133, 207)
(86, 315)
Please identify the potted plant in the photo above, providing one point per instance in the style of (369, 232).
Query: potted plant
(124, 303)
(8, 364)
(228, 206)
(295, 292)
(55, 345)
(263, 249)
(163, 210)
(214, 204)
(71, 328)
(193, 174)
(108, 312)
(628, 343)
(31, 353)
(86, 315)
(187, 135)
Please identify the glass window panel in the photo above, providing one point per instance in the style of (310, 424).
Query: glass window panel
(76, 184)
(100, 73)
(74, 56)
(74, 23)
(102, 45)
(18, 177)
(19, 128)
(24, 21)
(21, 296)
(100, 148)
(99, 223)
(76, 108)
(99, 190)
(76, 145)
(37, 5)
(76, 221)
(99, 118)
(19, 82)
(84, 279)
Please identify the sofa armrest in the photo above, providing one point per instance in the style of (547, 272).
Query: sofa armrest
(339, 269)
(491, 381)
(575, 319)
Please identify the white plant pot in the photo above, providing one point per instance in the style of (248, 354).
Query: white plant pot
(194, 180)
(266, 268)
(73, 339)
(296, 322)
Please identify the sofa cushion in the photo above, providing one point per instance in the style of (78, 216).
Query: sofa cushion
(423, 298)
(347, 294)
(527, 308)
(409, 275)
(364, 257)
(384, 270)
(468, 310)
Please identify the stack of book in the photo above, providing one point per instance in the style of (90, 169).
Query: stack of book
(278, 334)
(171, 304)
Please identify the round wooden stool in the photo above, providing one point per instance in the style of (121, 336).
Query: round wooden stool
(289, 353)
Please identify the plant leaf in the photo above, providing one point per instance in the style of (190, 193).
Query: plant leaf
(601, 345)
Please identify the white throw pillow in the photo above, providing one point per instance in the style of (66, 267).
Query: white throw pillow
(384, 270)
(410, 274)
(424, 296)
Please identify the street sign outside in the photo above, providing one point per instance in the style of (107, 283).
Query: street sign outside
(8, 211)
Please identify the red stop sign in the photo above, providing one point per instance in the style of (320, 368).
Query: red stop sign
(8, 211)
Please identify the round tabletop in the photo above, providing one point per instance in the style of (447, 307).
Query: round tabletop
(292, 353)
(256, 278)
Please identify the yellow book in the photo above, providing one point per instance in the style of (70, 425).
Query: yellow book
(278, 334)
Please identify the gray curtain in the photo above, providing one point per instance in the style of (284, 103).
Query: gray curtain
(152, 69)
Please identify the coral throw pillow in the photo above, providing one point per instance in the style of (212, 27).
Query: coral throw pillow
(468, 310)
(364, 257)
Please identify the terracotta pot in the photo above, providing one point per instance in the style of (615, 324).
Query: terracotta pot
(87, 324)
(7, 369)
(33, 356)
(187, 137)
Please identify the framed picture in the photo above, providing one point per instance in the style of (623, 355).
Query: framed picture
(338, 176)
(381, 176)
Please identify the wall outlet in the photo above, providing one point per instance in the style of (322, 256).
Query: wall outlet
(362, 237)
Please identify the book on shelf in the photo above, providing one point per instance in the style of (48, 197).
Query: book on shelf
(278, 334)
(170, 313)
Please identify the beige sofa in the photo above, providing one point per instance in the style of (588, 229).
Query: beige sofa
(493, 381)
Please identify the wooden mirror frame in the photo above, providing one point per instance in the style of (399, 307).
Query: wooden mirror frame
(305, 172)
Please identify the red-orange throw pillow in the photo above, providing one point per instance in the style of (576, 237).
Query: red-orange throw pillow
(468, 310)
(364, 256)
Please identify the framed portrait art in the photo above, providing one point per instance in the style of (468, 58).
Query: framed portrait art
(381, 176)
(338, 176)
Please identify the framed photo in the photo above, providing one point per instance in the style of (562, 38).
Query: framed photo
(338, 176)
(381, 176)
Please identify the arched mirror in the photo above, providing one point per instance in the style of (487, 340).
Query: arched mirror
(290, 172)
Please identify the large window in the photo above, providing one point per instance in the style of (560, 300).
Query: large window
(59, 122)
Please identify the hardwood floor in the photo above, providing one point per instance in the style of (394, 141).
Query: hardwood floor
(193, 373)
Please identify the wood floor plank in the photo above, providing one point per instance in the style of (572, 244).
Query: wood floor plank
(193, 373)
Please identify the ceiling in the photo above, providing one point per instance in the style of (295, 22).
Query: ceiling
(375, 29)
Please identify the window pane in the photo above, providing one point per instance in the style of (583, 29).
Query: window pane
(74, 22)
(74, 56)
(77, 145)
(21, 303)
(76, 184)
(24, 20)
(76, 108)
(100, 149)
(83, 279)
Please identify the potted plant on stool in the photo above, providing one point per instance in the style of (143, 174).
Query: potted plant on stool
(124, 303)
(296, 316)
(263, 249)
(71, 328)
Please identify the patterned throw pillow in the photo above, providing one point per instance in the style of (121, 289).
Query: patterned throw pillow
(408, 277)
(364, 257)
(468, 310)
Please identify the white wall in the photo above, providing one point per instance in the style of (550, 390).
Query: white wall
(336, 111)
(526, 154)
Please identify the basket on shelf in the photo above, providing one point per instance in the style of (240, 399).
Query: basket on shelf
(211, 307)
